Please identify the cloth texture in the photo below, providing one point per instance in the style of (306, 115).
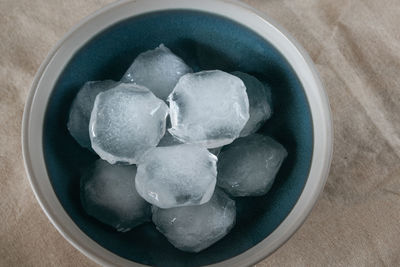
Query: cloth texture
(355, 45)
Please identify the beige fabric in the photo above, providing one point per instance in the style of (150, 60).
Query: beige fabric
(356, 47)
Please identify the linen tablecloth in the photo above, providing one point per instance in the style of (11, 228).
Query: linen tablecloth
(355, 45)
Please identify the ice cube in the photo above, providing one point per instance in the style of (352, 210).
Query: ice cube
(158, 69)
(176, 176)
(195, 228)
(259, 102)
(248, 166)
(126, 121)
(209, 108)
(79, 115)
(108, 194)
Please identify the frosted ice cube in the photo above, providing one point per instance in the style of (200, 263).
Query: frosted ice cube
(259, 103)
(79, 115)
(209, 108)
(126, 121)
(195, 228)
(158, 69)
(108, 194)
(176, 176)
(248, 166)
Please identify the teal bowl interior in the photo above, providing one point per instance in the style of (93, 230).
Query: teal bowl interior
(205, 41)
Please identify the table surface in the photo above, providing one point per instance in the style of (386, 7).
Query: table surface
(355, 45)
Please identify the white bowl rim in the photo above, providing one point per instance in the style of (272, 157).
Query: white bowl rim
(264, 26)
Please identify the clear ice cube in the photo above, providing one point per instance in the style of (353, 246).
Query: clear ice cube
(208, 108)
(259, 103)
(248, 166)
(195, 228)
(176, 176)
(108, 194)
(158, 69)
(126, 121)
(79, 115)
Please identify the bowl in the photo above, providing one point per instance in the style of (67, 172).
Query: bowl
(208, 34)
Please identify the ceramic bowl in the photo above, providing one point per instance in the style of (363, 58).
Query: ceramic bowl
(207, 34)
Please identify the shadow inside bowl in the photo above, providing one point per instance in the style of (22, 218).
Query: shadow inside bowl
(204, 41)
